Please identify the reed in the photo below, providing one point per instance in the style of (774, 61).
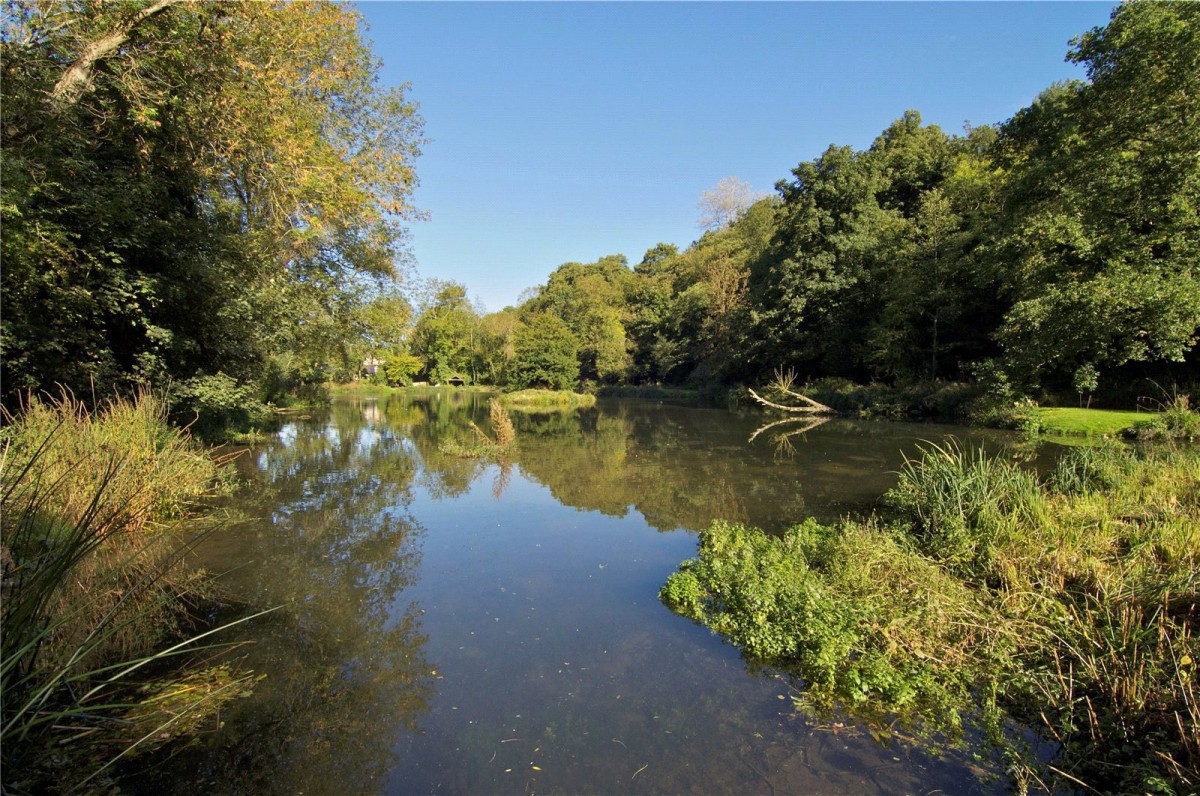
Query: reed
(94, 599)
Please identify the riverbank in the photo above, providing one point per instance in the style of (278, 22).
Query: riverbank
(99, 616)
(981, 596)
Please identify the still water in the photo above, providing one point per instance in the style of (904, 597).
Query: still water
(466, 627)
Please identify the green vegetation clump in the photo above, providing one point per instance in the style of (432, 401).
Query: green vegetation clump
(93, 598)
(535, 400)
(1177, 421)
(982, 596)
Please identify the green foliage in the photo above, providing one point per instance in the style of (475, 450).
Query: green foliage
(1069, 608)
(819, 601)
(545, 354)
(591, 300)
(1177, 421)
(402, 368)
(215, 405)
(444, 333)
(222, 186)
(1099, 231)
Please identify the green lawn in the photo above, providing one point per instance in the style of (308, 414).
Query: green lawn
(1089, 422)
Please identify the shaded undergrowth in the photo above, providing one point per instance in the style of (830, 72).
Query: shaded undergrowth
(100, 658)
(983, 596)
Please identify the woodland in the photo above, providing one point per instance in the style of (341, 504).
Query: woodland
(190, 206)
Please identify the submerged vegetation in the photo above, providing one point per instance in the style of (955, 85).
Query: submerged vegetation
(96, 607)
(1068, 605)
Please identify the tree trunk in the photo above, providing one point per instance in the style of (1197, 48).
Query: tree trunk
(78, 77)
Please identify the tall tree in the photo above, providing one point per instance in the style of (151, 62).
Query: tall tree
(445, 334)
(190, 186)
(1102, 235)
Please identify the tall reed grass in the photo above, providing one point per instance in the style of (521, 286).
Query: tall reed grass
(94, 601)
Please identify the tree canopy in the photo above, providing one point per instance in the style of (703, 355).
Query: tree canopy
(192, 188)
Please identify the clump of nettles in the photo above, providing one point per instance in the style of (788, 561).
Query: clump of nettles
(983, 596)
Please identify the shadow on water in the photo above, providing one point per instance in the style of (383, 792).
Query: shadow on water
(455, 625)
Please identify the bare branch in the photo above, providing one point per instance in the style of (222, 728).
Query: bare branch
(812, 406)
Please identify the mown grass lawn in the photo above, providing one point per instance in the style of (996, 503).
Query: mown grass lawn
(1089, 422)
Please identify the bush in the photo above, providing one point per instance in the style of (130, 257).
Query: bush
(213, 406)
(1177, 420)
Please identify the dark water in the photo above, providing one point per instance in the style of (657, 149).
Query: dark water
(460, 627)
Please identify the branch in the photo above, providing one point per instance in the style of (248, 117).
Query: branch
(809, 424)
(78, 77)
(813, 406)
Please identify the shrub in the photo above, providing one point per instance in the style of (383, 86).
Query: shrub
(212, 406)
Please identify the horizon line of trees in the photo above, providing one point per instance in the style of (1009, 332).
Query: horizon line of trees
(1057, 250)
(210, 209)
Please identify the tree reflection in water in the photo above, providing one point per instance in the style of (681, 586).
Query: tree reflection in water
(541, 617)
(327, 535)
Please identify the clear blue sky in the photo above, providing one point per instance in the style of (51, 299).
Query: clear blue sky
(567, 131)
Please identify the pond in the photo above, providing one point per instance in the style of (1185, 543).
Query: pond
(459, 626)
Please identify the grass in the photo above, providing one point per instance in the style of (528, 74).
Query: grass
(533, 400)
(94, 600)
(1089, 422)
(983, 596)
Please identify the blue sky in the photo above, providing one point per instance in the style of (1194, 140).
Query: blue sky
(567, 131)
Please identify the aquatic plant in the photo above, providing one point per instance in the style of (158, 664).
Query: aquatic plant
(983, 597)
(94, 599)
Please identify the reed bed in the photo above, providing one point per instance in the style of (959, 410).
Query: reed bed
(95, 603)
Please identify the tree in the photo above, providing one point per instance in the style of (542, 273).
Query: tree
(1101, 238)
(445, 334)
(592, 299)
(725, 203)
(191, 188)
(545, 354)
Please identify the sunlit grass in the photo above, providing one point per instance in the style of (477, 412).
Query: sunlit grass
(1089, 422)
(546, 399)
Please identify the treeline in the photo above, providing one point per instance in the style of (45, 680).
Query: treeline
(1055, 251)
(214, 203)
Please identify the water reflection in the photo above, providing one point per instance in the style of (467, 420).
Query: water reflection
(461, 626)
(327, 535)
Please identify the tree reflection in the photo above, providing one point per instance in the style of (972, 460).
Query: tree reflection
(334, 543)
